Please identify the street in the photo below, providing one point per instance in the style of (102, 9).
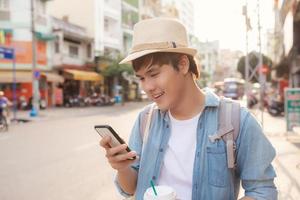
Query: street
(57, 155)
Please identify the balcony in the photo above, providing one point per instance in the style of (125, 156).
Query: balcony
(4, 15)
(112, 42)
(112, 12)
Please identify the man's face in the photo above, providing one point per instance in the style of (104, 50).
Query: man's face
(163, 84)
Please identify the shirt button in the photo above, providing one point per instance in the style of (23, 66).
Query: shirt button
(161, 150)
(153, 177)
(167, 126)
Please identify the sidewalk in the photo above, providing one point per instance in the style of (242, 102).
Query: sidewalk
(58, 113)
(287, 161)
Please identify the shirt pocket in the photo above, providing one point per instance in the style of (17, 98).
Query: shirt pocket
(217, 166)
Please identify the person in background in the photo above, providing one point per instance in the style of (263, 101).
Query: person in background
(4, 105)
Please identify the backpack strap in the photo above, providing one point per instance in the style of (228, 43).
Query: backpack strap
(228, 129)
(146, 119)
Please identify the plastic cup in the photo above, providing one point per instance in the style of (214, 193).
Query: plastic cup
(163, 193)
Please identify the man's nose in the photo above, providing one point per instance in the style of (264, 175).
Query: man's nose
(148, 86)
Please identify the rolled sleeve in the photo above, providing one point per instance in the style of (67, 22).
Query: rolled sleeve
(135, 144)
(254, 157)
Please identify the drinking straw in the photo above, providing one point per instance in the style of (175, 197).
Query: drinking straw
(152, 185)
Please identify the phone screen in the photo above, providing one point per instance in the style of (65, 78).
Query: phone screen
(116, 140)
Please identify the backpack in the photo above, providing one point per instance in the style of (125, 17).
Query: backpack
(228, 127)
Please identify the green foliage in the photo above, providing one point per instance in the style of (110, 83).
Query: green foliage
(115, 69)
(204, 79)
(253, 58)
(134, 3)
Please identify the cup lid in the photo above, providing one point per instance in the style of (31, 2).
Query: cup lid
(163, 193)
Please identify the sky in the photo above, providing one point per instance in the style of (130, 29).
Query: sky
(223, 20)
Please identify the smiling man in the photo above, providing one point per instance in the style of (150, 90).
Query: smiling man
(179, 151)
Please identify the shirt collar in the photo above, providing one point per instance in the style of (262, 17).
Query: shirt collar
(211, 99)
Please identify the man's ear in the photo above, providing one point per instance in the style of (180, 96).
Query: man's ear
(184, 64)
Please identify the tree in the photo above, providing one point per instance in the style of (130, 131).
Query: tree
(114, 69)
(253, 58)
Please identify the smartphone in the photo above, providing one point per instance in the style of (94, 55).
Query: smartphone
(116, 140)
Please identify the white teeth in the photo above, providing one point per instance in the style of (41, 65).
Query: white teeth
(156, 96)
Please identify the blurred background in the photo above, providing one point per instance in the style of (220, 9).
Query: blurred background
(59, 71)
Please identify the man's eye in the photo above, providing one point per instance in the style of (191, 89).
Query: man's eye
(153, 75)
(142, 78)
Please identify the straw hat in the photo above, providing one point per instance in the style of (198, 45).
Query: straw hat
(158, 35)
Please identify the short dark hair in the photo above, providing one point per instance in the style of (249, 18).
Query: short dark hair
(162, 58)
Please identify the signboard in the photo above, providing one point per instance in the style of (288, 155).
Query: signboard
(6, 53)
(292, 107)
(37, 74)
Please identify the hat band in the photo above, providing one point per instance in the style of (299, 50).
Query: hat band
(156, 45)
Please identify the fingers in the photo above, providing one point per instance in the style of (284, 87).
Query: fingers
(117, 156)
(115, 150)
(104, 142)
(122, 157)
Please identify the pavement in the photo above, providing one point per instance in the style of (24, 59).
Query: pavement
(287, 145)
(287, 160)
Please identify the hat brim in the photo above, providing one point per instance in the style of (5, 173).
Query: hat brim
(133, 56)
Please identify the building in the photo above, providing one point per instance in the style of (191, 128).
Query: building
(73, 57)
(209, 58)
(15, 32)
(130, 16)
(103, 23)
(182, 10)
(228, 60)
(101, 18)
(287, 40)
(150, 8)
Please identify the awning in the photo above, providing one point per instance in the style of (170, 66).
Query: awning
(82, 75)
(52, 77)
(21, 77)
(45, 36)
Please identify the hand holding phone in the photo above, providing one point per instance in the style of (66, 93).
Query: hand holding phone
(116, 140)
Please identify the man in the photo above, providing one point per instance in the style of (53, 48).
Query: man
(4, 104)
(178, 152)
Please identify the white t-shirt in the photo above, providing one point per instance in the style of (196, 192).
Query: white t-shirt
(177, 166)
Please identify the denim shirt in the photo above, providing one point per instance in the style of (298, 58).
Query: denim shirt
(212, 180)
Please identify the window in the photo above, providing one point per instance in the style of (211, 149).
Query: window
(4, 4)
(106, 24)
(56, 46)
(73, 51)
(89, 51)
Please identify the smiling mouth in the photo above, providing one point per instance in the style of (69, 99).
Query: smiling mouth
(157, 95)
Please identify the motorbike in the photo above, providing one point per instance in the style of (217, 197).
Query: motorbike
(252, 100)
(275, 107)
(3, 118)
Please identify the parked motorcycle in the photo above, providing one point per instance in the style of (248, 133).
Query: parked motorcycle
(276, 108)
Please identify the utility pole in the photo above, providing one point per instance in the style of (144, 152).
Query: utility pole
(262, 78)
(35, 73)
(247, 24)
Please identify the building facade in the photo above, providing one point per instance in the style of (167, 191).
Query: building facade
(287, 40)
(16, 32)
(102, 20)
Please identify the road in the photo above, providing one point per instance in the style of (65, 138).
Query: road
(57, 155)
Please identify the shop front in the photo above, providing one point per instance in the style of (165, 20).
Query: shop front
(23, 79)
(81, 84)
